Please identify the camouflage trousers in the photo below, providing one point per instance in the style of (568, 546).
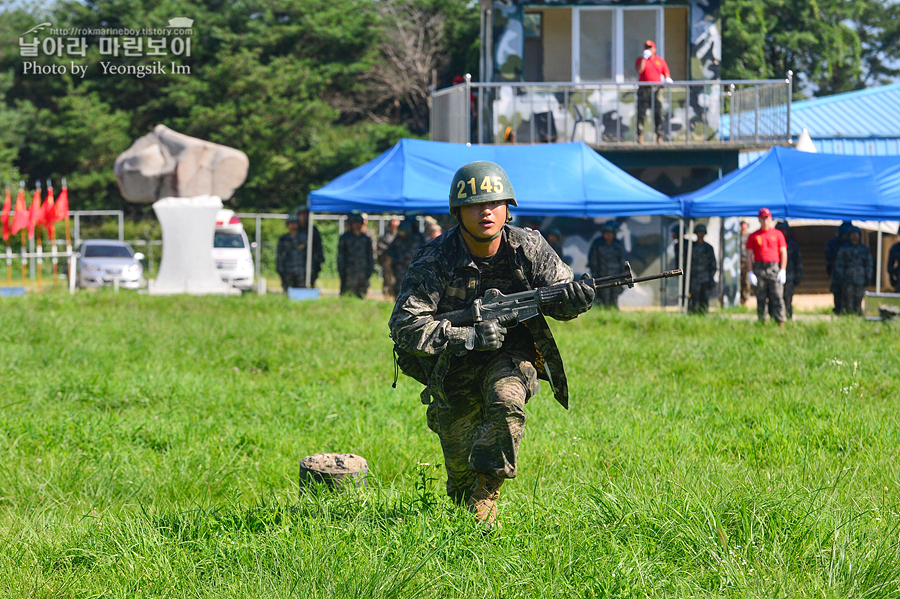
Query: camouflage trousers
(355, 284)
(851, 299)
(698, 300)
(769, 291)
(387, 275)
(608, 298)
(481, 423)
(788, 295)
(292, 279)
(745, 283)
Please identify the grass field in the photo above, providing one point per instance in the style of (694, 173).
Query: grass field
(150, 446)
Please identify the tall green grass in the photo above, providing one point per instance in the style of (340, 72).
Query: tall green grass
(150, 447)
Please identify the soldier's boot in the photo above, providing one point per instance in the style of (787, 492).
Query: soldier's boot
(483, 502)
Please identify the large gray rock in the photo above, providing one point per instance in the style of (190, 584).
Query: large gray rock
(165, 164)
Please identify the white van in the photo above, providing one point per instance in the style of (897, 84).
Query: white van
(231, 251)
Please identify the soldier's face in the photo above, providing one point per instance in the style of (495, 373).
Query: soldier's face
(356, 228)
(609, 236)
(303, 217)
(700, 237)
(483, 220)
(293, 228)
(854, 238)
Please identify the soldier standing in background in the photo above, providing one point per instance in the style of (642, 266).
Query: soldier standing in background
(893, 266)
(703, 272)
(794, 268)
(290, 253)
(290, 256)
(853, 270)
(355, 258)
(831, 250)
(403, 249)
(607, 257)
(554, 238)
(384, 260)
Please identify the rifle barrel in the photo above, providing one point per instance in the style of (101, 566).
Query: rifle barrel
(623, 279)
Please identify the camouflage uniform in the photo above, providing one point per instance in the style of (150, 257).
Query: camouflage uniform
(401, 252)
(831, 250)
(389, 286)
(355, 262)
(853, 270)
(605, 259)
(794, 272)
(290, 258)
(480, 416)
(703, 271)
(893, 266)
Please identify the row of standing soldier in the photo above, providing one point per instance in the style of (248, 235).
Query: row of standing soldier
(848, 262)
(357, 253)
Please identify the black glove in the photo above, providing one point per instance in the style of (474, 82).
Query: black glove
(579, 298)
(489, 335)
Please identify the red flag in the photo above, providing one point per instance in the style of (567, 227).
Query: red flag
(61, 208)
(48, 213)
(4, 217)
(20, 220)
(34, 213)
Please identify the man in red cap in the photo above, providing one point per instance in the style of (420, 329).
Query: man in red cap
(650, 68)
(767, 263)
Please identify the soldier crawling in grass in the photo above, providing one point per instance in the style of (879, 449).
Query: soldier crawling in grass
(479, 378)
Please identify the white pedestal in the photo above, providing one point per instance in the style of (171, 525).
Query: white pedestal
(188, 226)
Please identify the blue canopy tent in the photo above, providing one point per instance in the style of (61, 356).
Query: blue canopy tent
(567, 179)
(796, 184)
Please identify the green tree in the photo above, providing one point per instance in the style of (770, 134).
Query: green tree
(832, 46)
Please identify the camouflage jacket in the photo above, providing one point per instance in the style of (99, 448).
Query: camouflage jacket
(853, 265)
(703, 264)
(893, 265)
(831, 250)
(384, 242)
(794, 268)
(606, 259)
(443, 278)
(401, 252)
(290, 254)
(356, 254)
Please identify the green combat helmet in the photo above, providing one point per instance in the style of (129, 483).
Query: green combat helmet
(700, 229)
(292, 218)
(355, 217)
(480, 182)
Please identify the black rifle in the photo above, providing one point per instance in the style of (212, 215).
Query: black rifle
(517, 307)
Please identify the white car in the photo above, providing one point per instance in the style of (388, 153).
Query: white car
(106, 262)
(232, 251)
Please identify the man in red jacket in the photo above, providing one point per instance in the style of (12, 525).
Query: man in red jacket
(767, 261)
(650, 68)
